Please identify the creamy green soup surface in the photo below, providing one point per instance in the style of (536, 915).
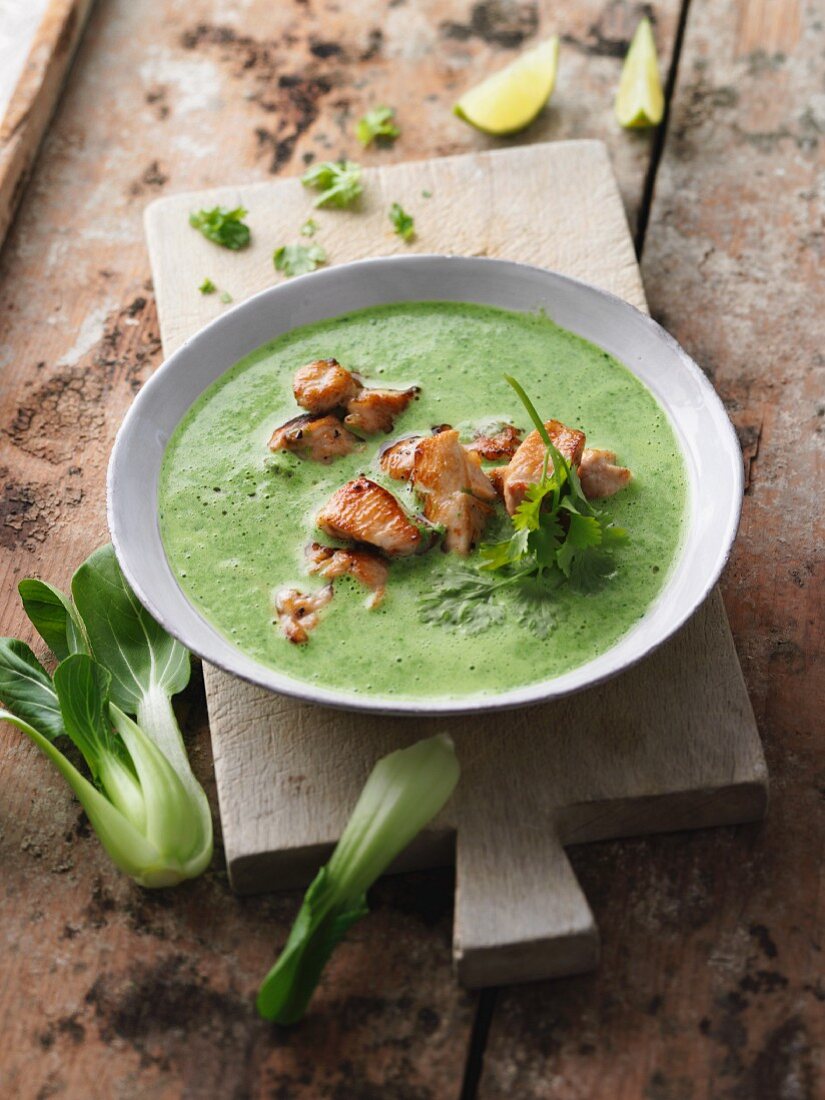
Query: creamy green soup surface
(235, 519)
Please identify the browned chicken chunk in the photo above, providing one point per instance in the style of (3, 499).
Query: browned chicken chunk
(527, 463)
(456, 494)
(362, 511)
(320, 439)
(367, 568)
(374, 411)
(324, 385)
(397, 458)
(599, 476)
(298, 612)
(502, 444)
(496, 476)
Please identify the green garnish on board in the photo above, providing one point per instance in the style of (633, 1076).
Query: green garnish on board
(377, 125)
(339, 182)
(207, 286)
(558, 536)
(224, 227)
(298, 259)
(309, 228)
(403, 223)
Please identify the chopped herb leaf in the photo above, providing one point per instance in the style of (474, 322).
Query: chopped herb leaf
(338, 181)
(309, 228)
(534, 604)
(222, 226)
(207, 287)
(377, 124)
(403, 223)
(298, 259)
(464, 599)
(226, 296)
(426, 194)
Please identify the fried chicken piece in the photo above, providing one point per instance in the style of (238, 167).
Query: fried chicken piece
(527, 463)
(457, 495)
(373, 411)
(362, 511)
(324, 385)
(599, 476)
(397, 458)
(298, 612)
(496, 477)
(320, 439)
(503, 444)
(367, 568)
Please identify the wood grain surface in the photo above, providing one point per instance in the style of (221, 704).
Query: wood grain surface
(671, 744)
(711, 978)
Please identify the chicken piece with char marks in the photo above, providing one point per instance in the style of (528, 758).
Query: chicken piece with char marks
(320, 439)
(455, 492)
(599, 476)
(324, 385)
(501, 444)
(366, 567)
(374, 411)
(363, 511)
(298, 612)
(527, 464)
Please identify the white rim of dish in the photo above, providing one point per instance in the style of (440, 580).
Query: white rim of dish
(133, 519)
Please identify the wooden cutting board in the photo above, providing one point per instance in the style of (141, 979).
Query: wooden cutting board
(671, 744)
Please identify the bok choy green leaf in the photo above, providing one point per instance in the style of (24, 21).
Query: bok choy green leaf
(142, 798)
(404, 791)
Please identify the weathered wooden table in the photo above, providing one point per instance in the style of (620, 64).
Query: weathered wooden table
(712, 981)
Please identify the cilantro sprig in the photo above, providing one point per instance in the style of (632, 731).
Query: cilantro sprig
(339, 182)
(377, 125)
(558, 536)
(221, 226)
(557, 530)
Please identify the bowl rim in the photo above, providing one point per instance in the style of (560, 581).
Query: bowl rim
(233, 660)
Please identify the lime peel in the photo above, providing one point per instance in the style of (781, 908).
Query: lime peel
(510, 100)
(640, 101)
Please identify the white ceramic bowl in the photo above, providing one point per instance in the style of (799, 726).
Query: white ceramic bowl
(709, 447)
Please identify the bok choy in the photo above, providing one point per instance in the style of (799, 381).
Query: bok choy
(111, 697)
(404, 791)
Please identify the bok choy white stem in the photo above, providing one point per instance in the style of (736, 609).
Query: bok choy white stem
(142, 797)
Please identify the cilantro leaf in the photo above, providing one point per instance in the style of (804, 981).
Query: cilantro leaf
(222, 226)
(534, 604)
(338, 181)
(498, 555)
(226, 297)
(527, 515)
(403, 222)
(462, 599)
(298, 259)
(377, 124)
(207, 286)
(583, 534)
(309, 228)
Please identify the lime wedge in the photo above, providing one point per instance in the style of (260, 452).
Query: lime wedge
(509, 100)
(640, 101)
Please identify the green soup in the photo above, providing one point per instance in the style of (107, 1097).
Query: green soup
(235, 520)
